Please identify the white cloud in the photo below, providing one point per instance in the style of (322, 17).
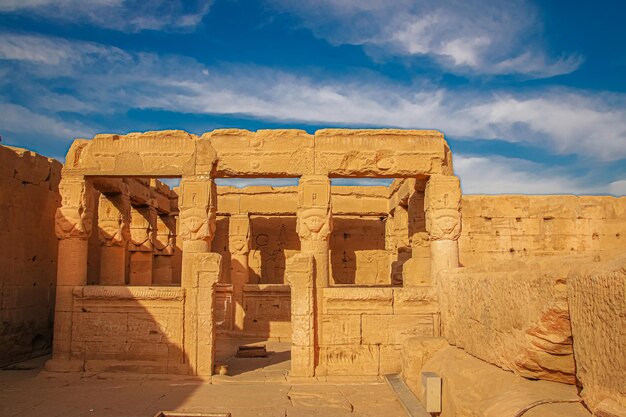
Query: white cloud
(472, 36)
(617, 188)
(501, 175)
(14, 118)
(104, 79)
(123, 15)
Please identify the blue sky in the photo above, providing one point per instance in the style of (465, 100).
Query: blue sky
(530, 95)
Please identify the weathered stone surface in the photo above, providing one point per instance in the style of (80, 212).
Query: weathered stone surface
(518, 320)
(274, 153)
(161, 154)
(597, 303)
(29, 198)
(501, 228)
(494, 392)
(361, 153)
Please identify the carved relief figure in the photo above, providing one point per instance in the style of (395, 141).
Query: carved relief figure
(113, 224)
(75, 217)
(444, 224)
(314, 224)
(197, 223)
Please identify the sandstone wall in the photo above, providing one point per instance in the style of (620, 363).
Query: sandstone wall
(363, 329)
(513, 315)
(499, 228)
(129, 329)
(29, 197)
(597, 299)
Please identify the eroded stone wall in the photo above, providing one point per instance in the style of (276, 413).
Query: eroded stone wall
(500, 228)
(29, 196)
(513, 315)
(597, 300)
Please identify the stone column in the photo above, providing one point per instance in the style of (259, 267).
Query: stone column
(299, 273)
(239, 246)
(164, 248)
(416, 271)
(200, 270)
(314, 226)
(114, 234)
(443, 221)
(141, 245)
(73, 225)
(403, 246)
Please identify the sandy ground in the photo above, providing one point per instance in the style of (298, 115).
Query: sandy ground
(258, 387)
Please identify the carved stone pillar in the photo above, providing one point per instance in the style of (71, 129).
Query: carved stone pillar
(164, 248)
(299, 274)
(239, 246)
(200, 270)
(73, 225)
(314, 226)
(114, 234)
(416, 271)
(141, 244)
(403, 246)
(443, 221)
(314, 222)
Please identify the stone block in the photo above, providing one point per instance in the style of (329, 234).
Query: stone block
(597, 305)
(556, 207)
(395, 329)
(302, 361)
(509, 206)
(390, 359)
(303, 332)
(471, 206)
(347, 152)
(340, 329)
(357, 300)
(279, 153)
(157, 154)
(415, 300)
(100, 327)
(517, 320)
(351, 360)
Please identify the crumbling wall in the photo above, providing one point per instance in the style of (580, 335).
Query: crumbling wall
(513, 315)
(597, 299)
(509, 227)
(29, 197)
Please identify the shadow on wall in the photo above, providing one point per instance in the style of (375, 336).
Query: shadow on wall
(274, 239)
(358, 254)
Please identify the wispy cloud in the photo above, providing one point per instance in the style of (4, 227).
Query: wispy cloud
(500, 175)
(123, 15)
(15, 118)
(472, 36)
(96, 78)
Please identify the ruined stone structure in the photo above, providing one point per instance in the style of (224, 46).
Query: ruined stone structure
(29, 196)
(362, 281)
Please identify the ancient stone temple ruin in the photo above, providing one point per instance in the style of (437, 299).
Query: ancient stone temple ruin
(447, 291)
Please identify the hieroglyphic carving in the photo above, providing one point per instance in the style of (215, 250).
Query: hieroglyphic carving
(114, 219)
(314, 223)
(239, 234)
(197, 209)
(75, 216)
(443, 207)
(444, 224)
